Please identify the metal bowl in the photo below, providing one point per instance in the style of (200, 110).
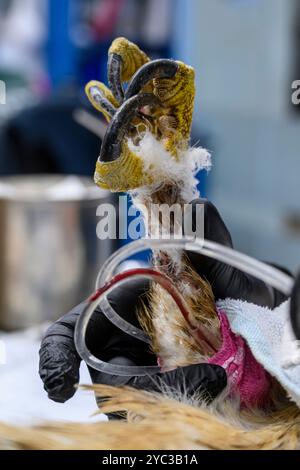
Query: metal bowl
(49, 251)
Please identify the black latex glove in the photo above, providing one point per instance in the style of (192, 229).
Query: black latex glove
(59, 361)
(225, 280)
(59, 364)
(295, 307)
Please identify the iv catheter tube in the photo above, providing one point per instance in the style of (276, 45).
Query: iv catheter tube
(266, 273)
(120, 323)
(119, 279)
(262, 271)
(80, 333)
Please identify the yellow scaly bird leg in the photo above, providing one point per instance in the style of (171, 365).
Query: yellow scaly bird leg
(177, 95)
(173, 84)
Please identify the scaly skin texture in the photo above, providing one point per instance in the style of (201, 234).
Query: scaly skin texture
(132, 57)
(177, 95)
(106, 93)
(170, 123)
(123, 174)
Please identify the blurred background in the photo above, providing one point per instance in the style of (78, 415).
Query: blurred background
(246, 54)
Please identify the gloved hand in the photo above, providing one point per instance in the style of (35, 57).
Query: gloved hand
(59, 361)
(225, 280)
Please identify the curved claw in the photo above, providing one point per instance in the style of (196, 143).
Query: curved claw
(161, 68)
(116, 132)
(114, 72)
(295, 307)
(124, 59)
(101, 98)
(173, 83)
(99, 101)
(118, 168)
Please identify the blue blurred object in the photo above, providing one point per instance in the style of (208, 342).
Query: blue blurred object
(61, 52)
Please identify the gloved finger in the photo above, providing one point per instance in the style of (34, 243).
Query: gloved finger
(206, 380)
(59, 369)
(59, 361)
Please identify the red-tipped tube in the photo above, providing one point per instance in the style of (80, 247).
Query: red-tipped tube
(101, 293)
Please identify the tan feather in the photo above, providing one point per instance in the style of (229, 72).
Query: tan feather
(162, 423)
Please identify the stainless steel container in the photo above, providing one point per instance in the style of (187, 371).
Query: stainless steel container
(49, 251)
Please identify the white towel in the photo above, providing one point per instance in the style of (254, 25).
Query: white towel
(270, 338)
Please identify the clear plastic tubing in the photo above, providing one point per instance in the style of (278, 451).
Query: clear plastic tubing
(262, 271)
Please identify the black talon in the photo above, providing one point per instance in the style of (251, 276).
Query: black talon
(97, 95)
(114, 71)
(161, 68)
(295, 307)
(118, 127)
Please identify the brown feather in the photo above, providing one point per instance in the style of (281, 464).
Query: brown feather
(163, 423)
